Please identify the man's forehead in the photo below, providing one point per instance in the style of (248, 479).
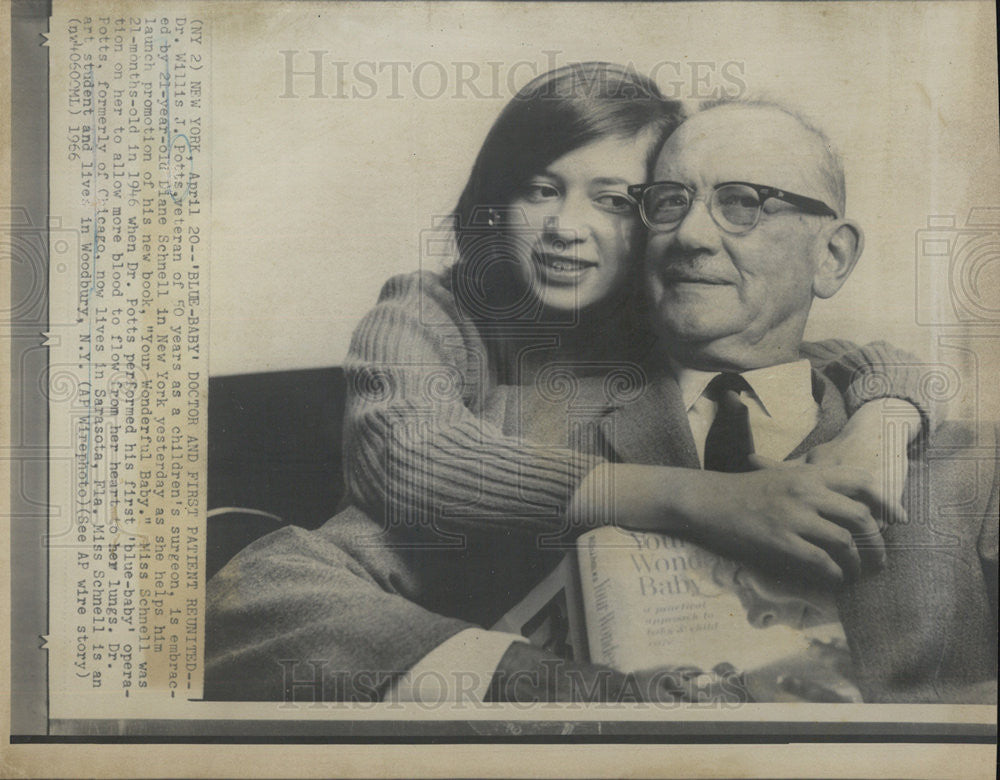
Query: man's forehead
(743, 143)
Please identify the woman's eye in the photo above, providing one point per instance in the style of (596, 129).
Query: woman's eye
(538, 192)
(614, 202)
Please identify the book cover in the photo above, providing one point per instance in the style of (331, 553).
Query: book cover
(640, 601)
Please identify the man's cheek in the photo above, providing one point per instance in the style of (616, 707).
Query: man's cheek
(657, 247)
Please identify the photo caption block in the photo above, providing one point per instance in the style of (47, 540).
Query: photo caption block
(128, 381)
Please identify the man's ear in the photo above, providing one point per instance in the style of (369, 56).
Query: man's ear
(844, 242)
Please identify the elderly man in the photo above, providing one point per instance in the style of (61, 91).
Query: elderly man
(747, 228)
(746, 218)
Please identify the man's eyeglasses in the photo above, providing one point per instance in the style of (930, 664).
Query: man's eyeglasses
(734, 205)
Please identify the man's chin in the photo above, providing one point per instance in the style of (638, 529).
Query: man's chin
(695, 328)
(706, 345)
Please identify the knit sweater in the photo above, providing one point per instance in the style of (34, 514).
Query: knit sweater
(428, 387)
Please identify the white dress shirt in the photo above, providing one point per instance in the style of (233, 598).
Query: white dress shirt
(782, 412)
(781, 406)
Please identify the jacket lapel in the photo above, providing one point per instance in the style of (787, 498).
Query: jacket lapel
(653, 429)
(832, 415)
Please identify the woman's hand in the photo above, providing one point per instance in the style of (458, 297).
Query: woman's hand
(789, 519)
(875, 439)
(804, 521)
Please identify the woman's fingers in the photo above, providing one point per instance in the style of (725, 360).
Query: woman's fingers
(887, 508)
(804, 560)
(860, 484)
(856, 518)
(804, 520)
(849, 481)
(808, 546)
(837, 543)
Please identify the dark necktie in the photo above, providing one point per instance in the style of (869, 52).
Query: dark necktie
(729, 441)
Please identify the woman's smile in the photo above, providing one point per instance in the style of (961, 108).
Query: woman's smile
(562, 269)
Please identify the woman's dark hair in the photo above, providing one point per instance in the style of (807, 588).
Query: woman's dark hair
(554, 114)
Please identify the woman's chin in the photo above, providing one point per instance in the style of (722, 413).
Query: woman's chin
(567, 302)
(577, 303)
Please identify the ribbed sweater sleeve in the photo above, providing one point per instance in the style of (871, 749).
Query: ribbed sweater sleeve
(417, 440)
(876, 370)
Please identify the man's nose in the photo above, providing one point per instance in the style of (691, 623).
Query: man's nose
(698, 231)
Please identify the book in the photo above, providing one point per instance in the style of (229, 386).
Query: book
(638, 601)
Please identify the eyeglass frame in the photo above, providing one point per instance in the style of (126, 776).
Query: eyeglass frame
(809, 205)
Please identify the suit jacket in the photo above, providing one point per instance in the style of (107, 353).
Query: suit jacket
(925, 628)
(338, 612)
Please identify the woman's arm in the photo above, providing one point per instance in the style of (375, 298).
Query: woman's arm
(422, 437)
(803, 521)
(875, 372)
(419, 448)
(818, 519)
(881, 386)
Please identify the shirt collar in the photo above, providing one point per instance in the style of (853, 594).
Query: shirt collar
(692, 382)
(784, 388)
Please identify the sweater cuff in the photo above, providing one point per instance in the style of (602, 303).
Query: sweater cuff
(902, 382)
(878, 370)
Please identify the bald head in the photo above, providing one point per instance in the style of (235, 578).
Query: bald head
(781, 148)
(734, 277)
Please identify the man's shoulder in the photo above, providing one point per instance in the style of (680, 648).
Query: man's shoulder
(955, 473)
(963, 434)
(962, 444)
